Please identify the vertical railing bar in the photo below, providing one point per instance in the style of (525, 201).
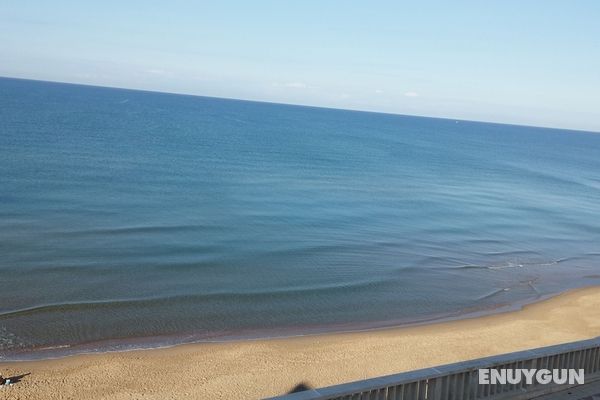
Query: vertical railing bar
(440, 388)
(534, 365)
(597, 359)
(518, 365)
(593, 354)
(501, 387)
(593, 359)
(485, 391)
(461, 386)
(451, 386)
(588, 361)
(508, 386)
(513, 386)
(392, 393)
(570, 357)
(472, 385)
(559, 361)
(424, 389)
(431, 382)
(455, 384)
(415, 392)
(478, 388)
(444, 389)
(409, 392)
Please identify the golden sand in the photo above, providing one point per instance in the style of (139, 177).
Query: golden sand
(256, 369)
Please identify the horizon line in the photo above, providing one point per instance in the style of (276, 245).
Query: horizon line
(302, 105)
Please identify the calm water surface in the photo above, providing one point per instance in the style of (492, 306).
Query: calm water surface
(134, 217)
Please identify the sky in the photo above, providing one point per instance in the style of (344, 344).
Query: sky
(521, 62)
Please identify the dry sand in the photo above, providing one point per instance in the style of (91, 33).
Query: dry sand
(255, 369)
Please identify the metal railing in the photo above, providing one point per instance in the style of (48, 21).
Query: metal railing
(460, 381)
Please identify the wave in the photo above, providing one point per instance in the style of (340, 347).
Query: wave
(493, 293)
(552, 178)
(510, 264)
(191, 298)
(135, 230)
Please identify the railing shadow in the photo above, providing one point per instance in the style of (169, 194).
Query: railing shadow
(301, 387)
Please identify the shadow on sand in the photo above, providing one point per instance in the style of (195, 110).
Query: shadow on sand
(301, 387)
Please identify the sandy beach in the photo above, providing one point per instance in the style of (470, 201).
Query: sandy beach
(256, 369)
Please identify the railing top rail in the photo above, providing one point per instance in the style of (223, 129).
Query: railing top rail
(442, 370)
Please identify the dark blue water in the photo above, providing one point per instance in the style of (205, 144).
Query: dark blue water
(130, 216)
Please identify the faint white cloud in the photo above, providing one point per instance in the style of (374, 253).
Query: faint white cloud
(296, 85)
(378, 91)
(155, 71)
(411, 94)
(87, 75)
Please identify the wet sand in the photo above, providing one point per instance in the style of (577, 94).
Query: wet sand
(260, 368)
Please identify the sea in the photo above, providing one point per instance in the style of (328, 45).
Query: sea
(134, 219)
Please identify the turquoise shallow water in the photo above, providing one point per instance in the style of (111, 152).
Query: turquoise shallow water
(131, 217)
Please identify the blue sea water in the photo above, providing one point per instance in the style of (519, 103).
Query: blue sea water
(136, 217)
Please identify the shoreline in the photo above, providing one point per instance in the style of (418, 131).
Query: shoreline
(119, 345)
(253, 369)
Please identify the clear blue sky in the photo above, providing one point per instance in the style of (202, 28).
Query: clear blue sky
(525, 62)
